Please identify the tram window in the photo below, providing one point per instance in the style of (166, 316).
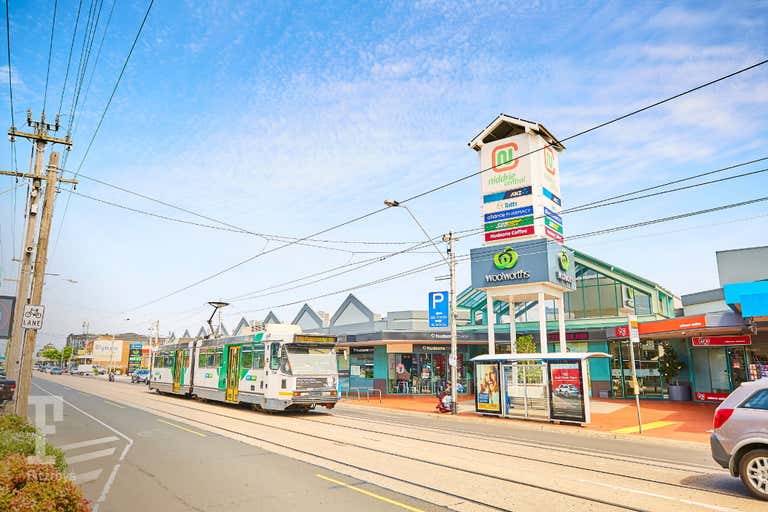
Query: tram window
(217, 357)
(247, 358)
(258, 359)
(274, 354)
(285, 365)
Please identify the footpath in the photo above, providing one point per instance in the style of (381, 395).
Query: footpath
(676, 421)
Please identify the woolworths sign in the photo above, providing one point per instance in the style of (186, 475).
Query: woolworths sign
(535, 261)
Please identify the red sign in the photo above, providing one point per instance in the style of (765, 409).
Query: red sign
(711, 397)
(554, 235)
(719, 341)
(570, 376)
(508, 233)
(622, 331)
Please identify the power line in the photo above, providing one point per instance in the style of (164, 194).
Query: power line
(593, 128)
(458, 180)
(439, 263)
(69, 57)
(586, 206)
(50, 53)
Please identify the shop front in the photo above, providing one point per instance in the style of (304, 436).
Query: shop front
(721, 363)
(422, 369)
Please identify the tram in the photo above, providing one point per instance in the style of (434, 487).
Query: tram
(278, 369)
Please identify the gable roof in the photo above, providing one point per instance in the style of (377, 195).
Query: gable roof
(221, 330)
(307, 310)
(506, 126)
(242, 324)
(351, 300)
(202, 333)
(271, 318)
(186, 334)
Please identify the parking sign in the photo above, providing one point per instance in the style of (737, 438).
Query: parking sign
(438, 309)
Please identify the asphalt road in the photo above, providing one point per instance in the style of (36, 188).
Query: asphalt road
(127, 459)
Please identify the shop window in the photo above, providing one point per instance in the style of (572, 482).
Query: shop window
(642, 303)
(609, 304)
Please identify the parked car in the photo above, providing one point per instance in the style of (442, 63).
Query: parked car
(84, 369)
(567, 390)
(140, 376)
(56, 371)
(7, 388)
(739, 439)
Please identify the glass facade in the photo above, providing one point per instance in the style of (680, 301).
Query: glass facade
(647, 369)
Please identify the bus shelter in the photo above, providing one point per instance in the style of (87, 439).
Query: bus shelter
(545, 387)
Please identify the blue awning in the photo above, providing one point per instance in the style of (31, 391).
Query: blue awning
(749, 299)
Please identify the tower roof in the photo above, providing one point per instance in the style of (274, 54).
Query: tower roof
(506, 126)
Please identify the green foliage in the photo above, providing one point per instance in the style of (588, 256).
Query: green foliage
(66, 353)
(17, 437)
(51, 353)
(29, 487)
(526, 345)
(669, 366)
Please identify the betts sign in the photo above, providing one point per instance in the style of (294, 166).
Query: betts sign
(710, 397)
(720, 341)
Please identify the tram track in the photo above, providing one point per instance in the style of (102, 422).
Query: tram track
(673, 466)
(393, 454)
(490, 452)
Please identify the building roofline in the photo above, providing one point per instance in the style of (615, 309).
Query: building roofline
(618, 270)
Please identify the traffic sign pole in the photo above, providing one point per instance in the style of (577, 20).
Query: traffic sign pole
(634, 339)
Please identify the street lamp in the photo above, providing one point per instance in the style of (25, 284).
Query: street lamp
(449, 239)
(217, 305)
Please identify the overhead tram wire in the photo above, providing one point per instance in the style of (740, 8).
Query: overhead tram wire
(627, 197)
(50, 53)
(12, 142)
(458, 180)
(593, 128)
(103, 114)
(228, 224)
(463, 258)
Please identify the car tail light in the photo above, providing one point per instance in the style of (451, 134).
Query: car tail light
(13, 387)
(721, 416)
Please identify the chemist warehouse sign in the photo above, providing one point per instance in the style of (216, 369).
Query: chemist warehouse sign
(532, 261)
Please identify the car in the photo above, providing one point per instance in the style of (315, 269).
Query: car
(56, 370)
(140, 376)
(739, 440)
(567, 390)
(84, 369)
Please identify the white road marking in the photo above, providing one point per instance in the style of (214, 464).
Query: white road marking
(112, 476)
(92, 442)
(660, 496)
(90, 456)
(84, 478)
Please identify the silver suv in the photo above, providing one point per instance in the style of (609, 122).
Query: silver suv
(739, 441)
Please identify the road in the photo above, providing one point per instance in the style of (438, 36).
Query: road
(194, 455)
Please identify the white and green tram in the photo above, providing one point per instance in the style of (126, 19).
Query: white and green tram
(275, 371)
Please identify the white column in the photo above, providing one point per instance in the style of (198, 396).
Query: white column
(543, 323)
(512, 326)
(491, 316)
(561, 322)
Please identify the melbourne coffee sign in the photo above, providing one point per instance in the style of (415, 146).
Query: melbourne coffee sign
(535, 261)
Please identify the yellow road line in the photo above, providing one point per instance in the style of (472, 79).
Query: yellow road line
(369, 493)
(114, 404)
(646, 426)
(182, 428)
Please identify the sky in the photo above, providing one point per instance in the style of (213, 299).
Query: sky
(287, 118)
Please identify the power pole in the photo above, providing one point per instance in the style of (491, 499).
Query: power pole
(30, 336)
(40, 138)
(454, 359)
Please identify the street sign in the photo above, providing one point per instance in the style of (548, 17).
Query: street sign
(32, 317)
(634, 331)
(438, 309)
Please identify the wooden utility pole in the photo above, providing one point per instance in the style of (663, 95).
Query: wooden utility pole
(30, 336)
(40, 137)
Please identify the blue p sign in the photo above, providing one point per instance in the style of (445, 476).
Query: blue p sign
(438, 309)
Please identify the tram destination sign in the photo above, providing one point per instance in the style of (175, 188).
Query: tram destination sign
(720, 341)
(309, 338)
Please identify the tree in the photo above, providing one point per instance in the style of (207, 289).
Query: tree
(525, 344)
(669, 366)
(51, 353)
(66, 354)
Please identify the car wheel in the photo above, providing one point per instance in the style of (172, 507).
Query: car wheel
(753, 469)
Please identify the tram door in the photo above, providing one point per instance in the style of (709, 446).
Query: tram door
(178, 370)
(233, 373)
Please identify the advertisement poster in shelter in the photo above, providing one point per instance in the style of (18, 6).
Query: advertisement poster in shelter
(488, 398)
(566, 395)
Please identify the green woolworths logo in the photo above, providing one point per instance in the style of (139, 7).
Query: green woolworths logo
(565, 261)
(505, 259)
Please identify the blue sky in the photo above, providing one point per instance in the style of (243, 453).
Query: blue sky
(288, 117)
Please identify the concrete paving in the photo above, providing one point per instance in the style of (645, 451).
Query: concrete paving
(461, 463)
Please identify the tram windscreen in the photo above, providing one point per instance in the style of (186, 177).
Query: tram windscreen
(311, 360)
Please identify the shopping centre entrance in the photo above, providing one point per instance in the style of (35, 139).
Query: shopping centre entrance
(647, 364)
